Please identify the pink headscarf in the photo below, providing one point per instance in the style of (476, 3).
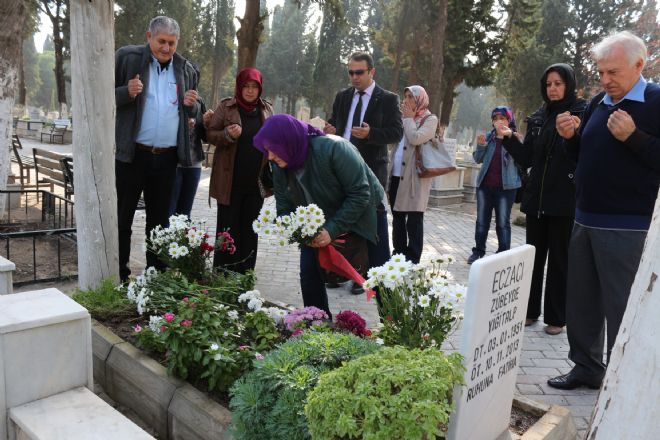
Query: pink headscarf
(421, 99)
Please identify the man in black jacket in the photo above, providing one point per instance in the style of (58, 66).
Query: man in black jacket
(155, 92)
(370, 118)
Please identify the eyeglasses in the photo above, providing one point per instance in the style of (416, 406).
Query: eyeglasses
(357, 72)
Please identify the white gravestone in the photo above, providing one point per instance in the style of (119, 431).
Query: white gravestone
(492, 338)
(6, 270)
(45, 348)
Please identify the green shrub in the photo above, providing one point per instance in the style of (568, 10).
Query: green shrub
(395, 393)
(268, 402)
(105, 302)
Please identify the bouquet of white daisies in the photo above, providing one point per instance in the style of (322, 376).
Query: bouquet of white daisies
(187, 247)
(419, 303)
(300, 227)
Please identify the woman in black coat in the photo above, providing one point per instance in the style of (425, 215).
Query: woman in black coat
(549, 197)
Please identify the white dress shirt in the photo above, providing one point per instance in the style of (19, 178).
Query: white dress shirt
(365, 102)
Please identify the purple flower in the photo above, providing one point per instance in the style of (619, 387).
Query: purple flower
(304, 317)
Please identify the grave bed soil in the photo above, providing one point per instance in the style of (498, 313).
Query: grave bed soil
(45, 247)
(180, 411)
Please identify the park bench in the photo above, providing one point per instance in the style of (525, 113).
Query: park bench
(53, 132)
(50, 166)
(25, 163)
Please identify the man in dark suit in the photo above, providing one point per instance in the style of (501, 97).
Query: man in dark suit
(370, 118)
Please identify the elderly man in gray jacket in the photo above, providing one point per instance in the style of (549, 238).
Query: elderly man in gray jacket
(155, 92)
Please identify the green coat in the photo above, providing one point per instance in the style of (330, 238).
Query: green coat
(338, 180)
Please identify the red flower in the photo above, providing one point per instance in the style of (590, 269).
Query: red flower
(389, 318)
(352, 322)
(186, 323)
(163, 328)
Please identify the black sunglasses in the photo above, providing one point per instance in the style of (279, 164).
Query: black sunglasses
(357, 72)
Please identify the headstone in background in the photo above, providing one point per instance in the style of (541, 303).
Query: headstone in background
(491, 342)
(317, 122)
(450, 145)
(36, 114)
(628, 406)
(6, 276)
(303, 114)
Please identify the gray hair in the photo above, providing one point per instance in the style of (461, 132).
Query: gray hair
(632, 46)
(165, 25)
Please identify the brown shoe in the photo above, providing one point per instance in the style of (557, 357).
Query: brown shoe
(529, 322)
(553, 329)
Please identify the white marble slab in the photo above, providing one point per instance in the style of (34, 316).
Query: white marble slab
(6, 276)
(45, 348)
(36, 309)
(495, 311)
(77, 414)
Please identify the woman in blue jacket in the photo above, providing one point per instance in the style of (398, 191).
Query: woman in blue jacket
(497, 183)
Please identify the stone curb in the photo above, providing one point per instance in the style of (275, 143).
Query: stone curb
(175, 410)
(178, 411)
(556, 422)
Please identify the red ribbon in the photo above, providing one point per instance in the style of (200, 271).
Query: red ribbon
(330, 259)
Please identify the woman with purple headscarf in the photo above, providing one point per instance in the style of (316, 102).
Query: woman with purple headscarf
(327, 170)
(408, 193)
(497, 182)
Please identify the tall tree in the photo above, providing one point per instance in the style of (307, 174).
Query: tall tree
(31, 22)
(249, 34)
(518, 70)
(223, 44)
(282, 57)
(438, 17)
(92, 52)
(12, 17)
(58, 13)
(646, 27)
(590, 21)
(471, 50)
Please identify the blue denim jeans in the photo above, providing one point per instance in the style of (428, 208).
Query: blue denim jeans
(183, 192)
(501, 200)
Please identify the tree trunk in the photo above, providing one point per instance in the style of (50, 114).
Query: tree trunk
(12, 16)
(627, 405)
(92, 69)
(400, 44)
(438, 61)
(59, 66)
(249, 34)
(22, 92)
(448, 97)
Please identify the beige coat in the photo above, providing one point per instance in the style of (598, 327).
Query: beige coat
(413, 193)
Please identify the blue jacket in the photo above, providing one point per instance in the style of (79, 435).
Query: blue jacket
(484, 154)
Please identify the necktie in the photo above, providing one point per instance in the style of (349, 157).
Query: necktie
(358, 111)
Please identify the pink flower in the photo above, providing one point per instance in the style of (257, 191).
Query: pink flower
(185, 299)
(186, 323)
(298, 332)
(205, 292)
(243, 347)
(168, 316)
(163, 328)
(258, 356)
(137, 328)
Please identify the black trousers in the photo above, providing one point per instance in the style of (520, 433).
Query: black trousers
(407, 228)
(237, 218)
(550, 235)
(154, 175)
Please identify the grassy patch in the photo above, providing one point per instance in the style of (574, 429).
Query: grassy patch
(105, 302)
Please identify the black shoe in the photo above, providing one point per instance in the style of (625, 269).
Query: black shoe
(571, 381)
(356, 289)
(332, 285)
(474, 257)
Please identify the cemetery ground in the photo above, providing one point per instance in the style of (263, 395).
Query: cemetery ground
(447, 231)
